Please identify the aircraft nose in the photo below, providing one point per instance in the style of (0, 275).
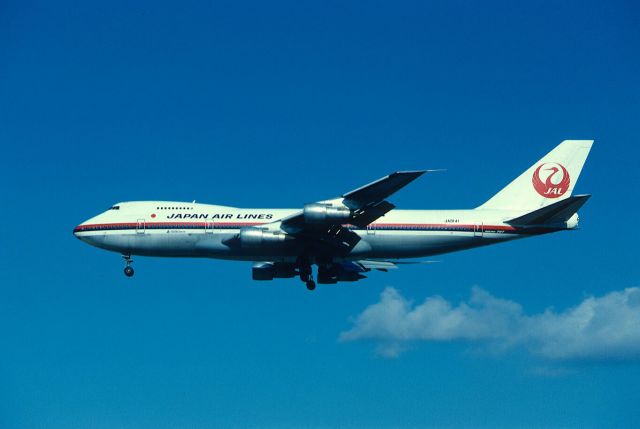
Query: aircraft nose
(77, 230)
(81, 230)
(87, 233)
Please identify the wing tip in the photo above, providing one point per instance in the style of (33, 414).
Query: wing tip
(408, 172)
(416, 173)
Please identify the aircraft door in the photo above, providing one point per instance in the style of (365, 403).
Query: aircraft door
(140, 226)
(209, 227)
(478, 230)
(370, 230)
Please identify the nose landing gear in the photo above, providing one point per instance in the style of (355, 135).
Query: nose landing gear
(128, 269)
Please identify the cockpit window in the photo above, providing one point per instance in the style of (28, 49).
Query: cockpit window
(115, 208)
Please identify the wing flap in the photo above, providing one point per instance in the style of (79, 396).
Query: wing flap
(363, 217)
(381, 265)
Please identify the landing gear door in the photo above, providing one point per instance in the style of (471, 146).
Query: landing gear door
(140, 226)
(478, 230)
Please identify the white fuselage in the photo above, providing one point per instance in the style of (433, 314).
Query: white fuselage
(346, 236)
(161, 228)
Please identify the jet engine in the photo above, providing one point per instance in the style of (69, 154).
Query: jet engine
(334, 273)
(270, 270)
(256, 237)
(326, 213)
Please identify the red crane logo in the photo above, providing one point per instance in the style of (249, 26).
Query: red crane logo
(551, 180)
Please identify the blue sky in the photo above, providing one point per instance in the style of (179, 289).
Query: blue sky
(275, 105)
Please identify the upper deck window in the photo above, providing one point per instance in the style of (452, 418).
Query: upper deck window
(115, 208)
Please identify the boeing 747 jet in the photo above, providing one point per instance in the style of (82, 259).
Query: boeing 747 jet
(347, 236)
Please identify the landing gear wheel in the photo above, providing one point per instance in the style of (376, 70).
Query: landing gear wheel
(311, 285)
(305, 273)
(128, 271)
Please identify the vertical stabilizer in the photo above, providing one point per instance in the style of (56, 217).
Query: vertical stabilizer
(548, 181)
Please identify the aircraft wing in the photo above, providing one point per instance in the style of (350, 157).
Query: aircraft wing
(324, 224)
(374, 193)
(359, 207)
(354, 269)
(368, 265)
(381, 265)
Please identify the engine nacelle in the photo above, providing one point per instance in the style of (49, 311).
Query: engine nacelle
(334, 273)
(326, 213)
(256, 237)
(270, 270)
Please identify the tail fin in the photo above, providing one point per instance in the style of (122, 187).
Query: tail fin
(546, 182)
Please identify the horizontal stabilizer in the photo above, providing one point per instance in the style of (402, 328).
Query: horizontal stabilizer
(552, 214)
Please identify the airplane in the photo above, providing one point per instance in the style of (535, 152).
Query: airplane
(347, 236)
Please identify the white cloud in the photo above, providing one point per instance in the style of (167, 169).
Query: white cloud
(599, 328)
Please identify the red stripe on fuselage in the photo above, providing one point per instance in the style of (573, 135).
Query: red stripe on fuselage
(447, 225)
(169, 225)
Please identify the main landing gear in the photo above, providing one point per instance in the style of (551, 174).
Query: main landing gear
(306, 275)
(311, 285)
(128, 269)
